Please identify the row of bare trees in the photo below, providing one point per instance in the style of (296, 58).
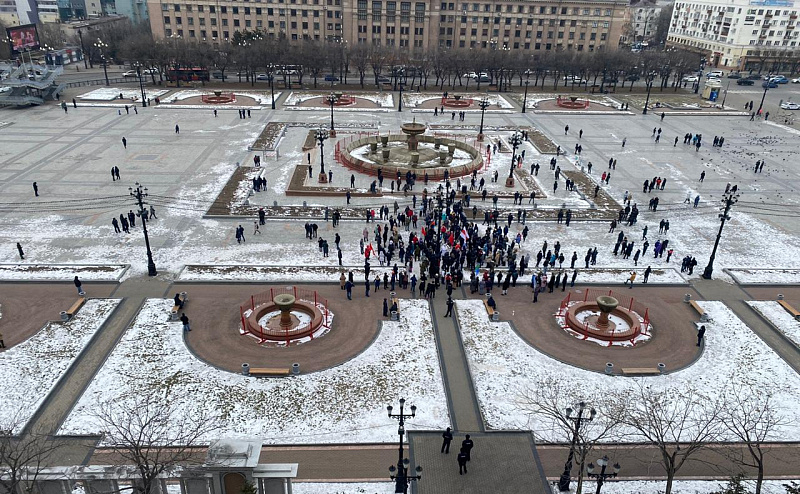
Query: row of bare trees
(736, 424)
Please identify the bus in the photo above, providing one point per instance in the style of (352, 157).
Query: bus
(187, 74)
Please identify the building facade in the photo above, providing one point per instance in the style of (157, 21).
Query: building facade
(584, 25)
(644, 21)
(739, 34)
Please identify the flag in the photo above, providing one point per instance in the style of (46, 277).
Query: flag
(464, 234)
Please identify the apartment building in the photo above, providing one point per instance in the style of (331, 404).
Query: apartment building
(737, 33)
(580, 25)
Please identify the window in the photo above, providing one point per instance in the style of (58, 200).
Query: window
(178, 20)
(223, 9)
(376, 10)
(405, 10)
(235, 10)
(419, 12)
(247, 11)
(166, 19)
(168, 32)
(190, 20)
(213, 21)
(191, 33)
(224, 22)
(165, 7)
(203, 22)
(177, 8)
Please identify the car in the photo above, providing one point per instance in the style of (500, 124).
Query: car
(789, 105)
(482, 78)
(384, 80)
(331, 78)
(632, 78)
(734, 75)
(715, 74)
(714, 80)
(754, 77)
(690, 78)
(745, 82)
(262, 77)
(779, 79)
(796, 81)
(130, 73)
(574, 79)
(769, 84)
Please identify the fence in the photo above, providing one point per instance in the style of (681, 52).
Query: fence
(100, 82)
(625, 301)
(303, 294)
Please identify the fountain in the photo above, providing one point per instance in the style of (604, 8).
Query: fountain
(285, 302)
(603, 320)
(606, 305)
(285, 318)
(412, 130)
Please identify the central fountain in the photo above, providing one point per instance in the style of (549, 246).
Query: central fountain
(412, 130)
(603, 320)
(285, 302)
(606, 304)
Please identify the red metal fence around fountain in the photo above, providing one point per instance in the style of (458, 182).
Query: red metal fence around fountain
(300, 294)
(625, 301)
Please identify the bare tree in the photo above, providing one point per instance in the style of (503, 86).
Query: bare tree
(753, 418)
(679, 423)
(153, 433)
(546, 403)
(23, 457)
(360, 57)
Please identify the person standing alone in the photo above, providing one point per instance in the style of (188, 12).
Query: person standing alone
(447, 436)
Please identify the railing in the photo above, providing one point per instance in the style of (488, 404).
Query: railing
(625, 301)
(303, 294)
(101, 82)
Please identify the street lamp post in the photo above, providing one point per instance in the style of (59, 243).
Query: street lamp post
(725, 96)
(400, 99)
(729, 199)
(322, 135)
(763, 97)
(515, 141)
(332, 99)
(271, 79)
(563, 482)
(525, 98)
(141, 84)
(139, 193)
(100, 45)
(83, 50)
(483, 103)
(601, 476)
(649, 87)
(399, 474)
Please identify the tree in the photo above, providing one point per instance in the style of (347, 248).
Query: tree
(752, 417)
(22, 458)
(734, 486)
(248, 488)
(138, 427)
(360, 57)
(679, 423)
(664, 20)
(546, 402)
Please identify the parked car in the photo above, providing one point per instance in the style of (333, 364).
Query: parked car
(331, 78)
(789, 105)
(384, 80)
(754, 77)
(632, 78)
(745, 82)
(216, 75)
(713, 80)
(780, 79)
(690, 78)
(574, 79)
(796, 81)
(130, 73)
(716, 74)
(734, 75)
(262, 77)
(482, 78)
(769, 84)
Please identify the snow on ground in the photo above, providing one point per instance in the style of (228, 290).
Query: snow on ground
(502, 364)
(30, 370)
(384, 100)
(55, 272)
(412, 100)
(346, 403)
(112, 93)
(343, 487)
(261, 98)
(765, 276)
(779, 317)
(267, 274)
(678, 486)
(534, 99)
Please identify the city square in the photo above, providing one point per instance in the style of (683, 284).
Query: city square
(252, 211)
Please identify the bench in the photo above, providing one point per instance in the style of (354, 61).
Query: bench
(640, 371)
(791, 310)
(695, 306)
(392, 302)
(269, 371)
(493, 314)
(76, 306)
(176, 308)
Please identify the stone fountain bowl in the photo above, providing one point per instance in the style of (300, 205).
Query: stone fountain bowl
(413, 128)
(607, 304)
(284, 301)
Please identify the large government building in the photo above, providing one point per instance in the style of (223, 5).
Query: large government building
(584, 25)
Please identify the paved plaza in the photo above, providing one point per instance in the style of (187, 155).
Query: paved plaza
(467, 372)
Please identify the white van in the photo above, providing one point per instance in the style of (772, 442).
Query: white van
(714, 74)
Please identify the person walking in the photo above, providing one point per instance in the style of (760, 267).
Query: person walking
(449, 312)
(177, 129)
(78, 284)
(185, 321)
(447, 436)
(647, 273)
(466, 447)
(462, 462)
(21, 253)
(700, 333)
(124, 143)
(631, 279)
(36, 189)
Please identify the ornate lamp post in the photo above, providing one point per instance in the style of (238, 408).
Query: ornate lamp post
(650, 78)
(400, 99)
(399, 474)
(332, 99)
(515, 141)
(601, 476)
(141, 83)
(139, 193)
(525, 98)
(100, 45)
(729, 199)
(563, 482)
(483, 103)
(322, 135)
(763, 97)
(271, 79)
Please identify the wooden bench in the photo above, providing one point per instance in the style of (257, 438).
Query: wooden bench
(488, 309)
(791, 310)
(640, 371)
(703, 315)
(76, 306)
(176, 308)
(269, 371)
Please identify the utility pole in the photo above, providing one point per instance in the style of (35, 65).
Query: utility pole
(730, 198)
(139, 193)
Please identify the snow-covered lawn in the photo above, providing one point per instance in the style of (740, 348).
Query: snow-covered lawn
(346, 403)
(779, 317)
(765, 276)
(412, 100)
(607, 275)
(342, 487)
(112, 93)
(62, 272)
(535, 98)
(30, 370)
(502, 365)
(384, 100)
(678, 486)
(267, 274)
(260, 98)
